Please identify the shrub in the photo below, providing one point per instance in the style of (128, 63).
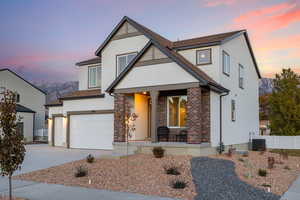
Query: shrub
(262, 172)
(158, 152)
(246, 154)
(81, 171)
(241, 160)
(287, 167)
(271, 162)
(178, 184)
(172, 170)
(90, 158)
(266, 185)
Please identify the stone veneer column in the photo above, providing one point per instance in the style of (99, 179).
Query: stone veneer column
(119, 118)
(205, 136)
(194, 117)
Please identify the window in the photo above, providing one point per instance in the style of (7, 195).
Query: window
(241, 76)
(233, 110)
(17, 97)
(123, 61)
(2, 90)
(226, 63)
(177, 111)
(203, 57)
(94, 77)
(20, 128)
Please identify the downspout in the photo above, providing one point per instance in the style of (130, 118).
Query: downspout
(221, 145)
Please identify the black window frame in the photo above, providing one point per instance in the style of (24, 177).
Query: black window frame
(210, 56)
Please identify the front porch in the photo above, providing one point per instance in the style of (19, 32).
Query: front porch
(171, 114)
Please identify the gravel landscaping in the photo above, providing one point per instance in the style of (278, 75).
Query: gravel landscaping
(6, 198)
(146, 175)
(284, 173)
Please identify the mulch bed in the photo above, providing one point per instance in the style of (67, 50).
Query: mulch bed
(146, 175)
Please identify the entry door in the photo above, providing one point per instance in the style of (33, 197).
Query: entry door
(59, 137)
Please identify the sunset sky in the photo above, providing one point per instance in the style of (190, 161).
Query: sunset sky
(43, 39)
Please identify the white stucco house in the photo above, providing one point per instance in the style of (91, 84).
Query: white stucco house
(30, 102)
(190, 96)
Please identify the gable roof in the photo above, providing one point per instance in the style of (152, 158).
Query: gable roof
(32, 85)
(96, 60)
(202, 77)
(20, 108)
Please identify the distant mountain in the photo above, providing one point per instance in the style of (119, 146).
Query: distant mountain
(266, 86)
(56, 90)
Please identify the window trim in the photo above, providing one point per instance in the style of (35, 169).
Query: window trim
(123, 54)
(210, 57)
(223, 63)
(242, 86)
(94, 66)
(178, 115)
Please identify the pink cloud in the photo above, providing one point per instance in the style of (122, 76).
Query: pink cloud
(214, 3)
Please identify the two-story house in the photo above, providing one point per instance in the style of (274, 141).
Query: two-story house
(30, 102)
(189, 96)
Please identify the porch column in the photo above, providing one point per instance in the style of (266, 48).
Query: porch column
(119, 118)
(194, 115)
(154, 98)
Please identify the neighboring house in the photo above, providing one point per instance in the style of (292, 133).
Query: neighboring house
(203, 88)
(30, 102)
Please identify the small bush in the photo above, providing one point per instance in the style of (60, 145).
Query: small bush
(171, 170)
(262, 172)
(90, 158)
(271, 162)
(246, 154)
(266, 185)
(80, 171)
(178, 184)
(158, 152)
(241, 160)
(287, 167)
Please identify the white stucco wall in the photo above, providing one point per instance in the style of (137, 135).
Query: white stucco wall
(30, 97)
(27, 119)
(213, 69)
(247, 106)
(159, 74)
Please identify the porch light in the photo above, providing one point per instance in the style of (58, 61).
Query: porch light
(144, 92)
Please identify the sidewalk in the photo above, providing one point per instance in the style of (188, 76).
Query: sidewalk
(42, 191)
(294, 191)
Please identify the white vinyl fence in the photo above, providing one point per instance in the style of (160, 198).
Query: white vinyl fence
(281, 142)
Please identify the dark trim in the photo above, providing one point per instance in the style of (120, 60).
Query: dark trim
(210, 55)
(35, 87)
(252, 55)
(53, 105)
(83, 97)
(93, 61)
(23, 109)
(223, 63)
(127, 35)
(208, 44)
(123, 54)
(153, 62)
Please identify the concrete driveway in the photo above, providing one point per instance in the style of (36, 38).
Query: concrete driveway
(41, 156)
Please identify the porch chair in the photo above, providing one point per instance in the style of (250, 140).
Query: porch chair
(163, 132)
(182, 136)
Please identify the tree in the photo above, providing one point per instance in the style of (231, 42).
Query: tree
(264, 107)
(12, 147)
(285, 104)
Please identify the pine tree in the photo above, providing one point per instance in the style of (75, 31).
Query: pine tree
(12, 149)
(285, 104)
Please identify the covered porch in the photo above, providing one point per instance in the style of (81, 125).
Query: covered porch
(177, 114)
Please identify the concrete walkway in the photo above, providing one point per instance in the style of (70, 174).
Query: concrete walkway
(294, 191)
(42, 191)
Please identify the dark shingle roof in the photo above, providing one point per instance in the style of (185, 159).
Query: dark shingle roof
(24, 109)
(54, 103)
(81, 94)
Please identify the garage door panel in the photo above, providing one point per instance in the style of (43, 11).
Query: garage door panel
(94, 131)
(59, 137)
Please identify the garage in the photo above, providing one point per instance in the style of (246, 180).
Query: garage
(91, 131)
(59, 137)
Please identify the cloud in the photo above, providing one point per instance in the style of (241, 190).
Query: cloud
(214, 3)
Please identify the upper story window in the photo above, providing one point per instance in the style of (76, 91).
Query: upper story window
(123, 61)
(17, 97)
(2, 90)
(233, 110)
(203, 57)
(241, 76)
(226, 63)
(177, 111)
(94, 77)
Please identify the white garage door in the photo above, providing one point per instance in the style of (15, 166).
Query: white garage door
(94, 131)
(59, 137)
